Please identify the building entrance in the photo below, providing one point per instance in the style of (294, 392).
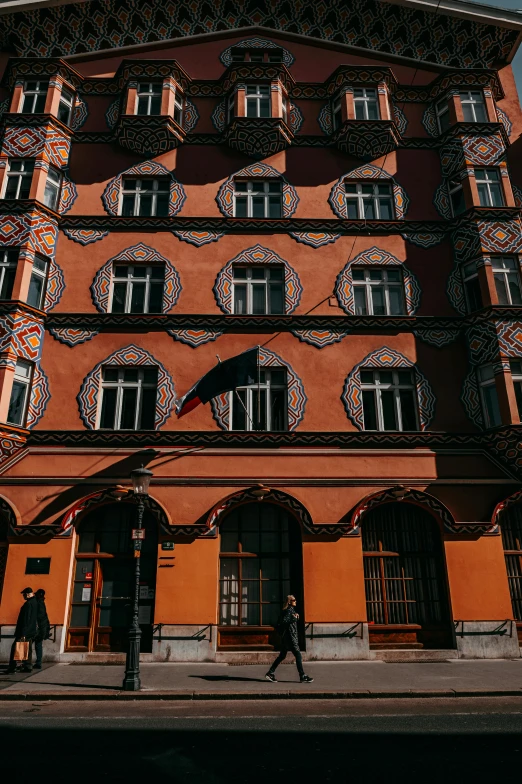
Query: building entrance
(511, 529)
(260, 564)
(103, 581)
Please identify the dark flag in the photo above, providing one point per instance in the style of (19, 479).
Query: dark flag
(235, 372)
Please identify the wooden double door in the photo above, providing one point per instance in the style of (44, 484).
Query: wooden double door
(104, 581)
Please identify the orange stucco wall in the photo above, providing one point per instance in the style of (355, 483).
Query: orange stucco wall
(334, 581)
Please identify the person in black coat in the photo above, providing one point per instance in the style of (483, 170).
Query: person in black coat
(44, 627)
(26, 629)
(287, 627)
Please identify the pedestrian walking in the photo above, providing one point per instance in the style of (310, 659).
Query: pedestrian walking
(26, 630)
(287, 628)
(44, 627)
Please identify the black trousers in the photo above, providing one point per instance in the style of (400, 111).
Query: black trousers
(282, 656)
(27, 664)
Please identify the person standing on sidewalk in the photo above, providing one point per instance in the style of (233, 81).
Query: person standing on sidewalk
(26, 629)
(44, 627)
(287, 628)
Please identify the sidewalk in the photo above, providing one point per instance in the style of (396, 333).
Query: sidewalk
(336, 680)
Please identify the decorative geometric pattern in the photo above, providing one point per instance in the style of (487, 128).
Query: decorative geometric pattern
(482, 342)
(455, 291)
(257, 171)
(295, 118)
(194, 337)
(510, 338)
(190, 116)
(295, 390)
(517, 194)
(257, 255)
(85, 236)
(344, 286)
(41, 140)
(111, 115)
(199, 238)
(386, 358)
(337, 198)
(437, 337)
(22, 334)
(29, 229)
(218, 116)
(325, 119)
(255, 43)
(320, 338)
(400, 119)
(470, 398)
(68, 196)
(106, 496)
(4, 106)
(442, 202)
(80, 113)
(73, 337)
(111, 194)
(55, 286)
(483, 150)
(504, 237)
(40, 396)
(134, 356)
(10, 444)
(429, 121)
(426, 239)
(314, 239)
(136, 254)
(416, 497)
(504, 119)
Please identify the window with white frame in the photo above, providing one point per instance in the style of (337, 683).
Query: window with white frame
(489, 396)
(473, 107)
(19, 401)
(442, 114)
(263, 405)
(145, 197)
(37, 283)
(472, 286)
(366, 103)
(489, 187)
(8, 265)
(178, 108)
(369, 200)
(19, 178)
(389, 399)
(34, 96)
(378, 291)
(258, 199)
(149, 98)
(258, 290)
(337, 112)
(231, 107)
(137, 288)
(53, 185)
(128, 398)
(456, 196)
(66, 105)
(257, 99)
(506, 272)
(516, 374)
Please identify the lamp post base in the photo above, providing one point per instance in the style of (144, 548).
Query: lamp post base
(131, 680)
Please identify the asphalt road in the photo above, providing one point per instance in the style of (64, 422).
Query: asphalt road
(455, 740)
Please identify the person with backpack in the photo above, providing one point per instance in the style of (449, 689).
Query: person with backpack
(287, 628)
(44, 627)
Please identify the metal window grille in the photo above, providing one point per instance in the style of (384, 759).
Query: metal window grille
(17, 412)
(263, 405)
(366, 103)
(378, 291)
(258, 199)
(489, 396)
(149, 98)
(145, 197)
(137, 289)
(34, 96)
(489, 188)
(258, 290)
(128, 398)
(389, 399)
(38, 282)
(369, 201)
(19, 177)
(8, 265)
(257, 99)
(473, 107)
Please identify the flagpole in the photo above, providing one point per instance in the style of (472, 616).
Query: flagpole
(246, 412)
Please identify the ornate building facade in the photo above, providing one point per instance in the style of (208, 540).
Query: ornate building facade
(340, 186)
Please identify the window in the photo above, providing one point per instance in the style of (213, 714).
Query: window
(472, 286)
(369, 201)
(257, 98)
(145, 197)
(178, 109)
(231, 107)
(19, 179)
(66, 106)
(488, 395)
(128, 398)
(259, 290)
(366, 103)
(489, 188)
(8, 264)
(443, 115)
(378, 291)
(20, 393)
(53, 186)
(257, 55)
(258, 199)
(506, 272)
(137, 289)
(149, 98)
(389, 399)
(35, 94)
(456, 197)
(261, 406)
(337, 113)
(516, 375)
(473, 107)
(38, 282)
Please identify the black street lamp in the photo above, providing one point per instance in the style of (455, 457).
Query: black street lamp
(131, 682)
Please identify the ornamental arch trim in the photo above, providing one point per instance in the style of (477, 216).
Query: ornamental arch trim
(226, 505)
(259, 171)
(10, 512)
(512, 500)
(337, 198)
(437, 509)
(257, 255)
(111, 194)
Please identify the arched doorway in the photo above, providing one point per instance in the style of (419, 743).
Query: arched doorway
(260, 563)
(102, 592)
(511, 528)
(406, 595)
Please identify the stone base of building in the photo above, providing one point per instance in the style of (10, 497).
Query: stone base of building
(487, 640)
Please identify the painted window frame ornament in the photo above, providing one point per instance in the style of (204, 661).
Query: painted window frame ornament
(296, 395)
(344, 284)
(445, 519)
(255, 43)
(337, 197)
(132, 356)
(111, 194)
(135, 254)
(257, 254)
(386, 358)
(256, 171)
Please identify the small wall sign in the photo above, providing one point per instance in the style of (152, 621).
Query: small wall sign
(167, 545)
(38, 566)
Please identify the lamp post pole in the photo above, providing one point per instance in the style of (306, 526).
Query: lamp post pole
(131, 682)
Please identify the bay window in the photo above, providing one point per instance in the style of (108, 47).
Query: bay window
(37, 283)
(8, 265)
(34, 96)
(366, 103)
(257, 100)
(489, 396)
(19, 178)
(53, 186)
(506, 273)
(489, 187)
(473, 107)
(66, 106)
(149, 98)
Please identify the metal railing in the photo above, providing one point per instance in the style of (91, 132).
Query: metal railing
(503, 628)
(199, 636)
(52, 631)
(355, 629)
